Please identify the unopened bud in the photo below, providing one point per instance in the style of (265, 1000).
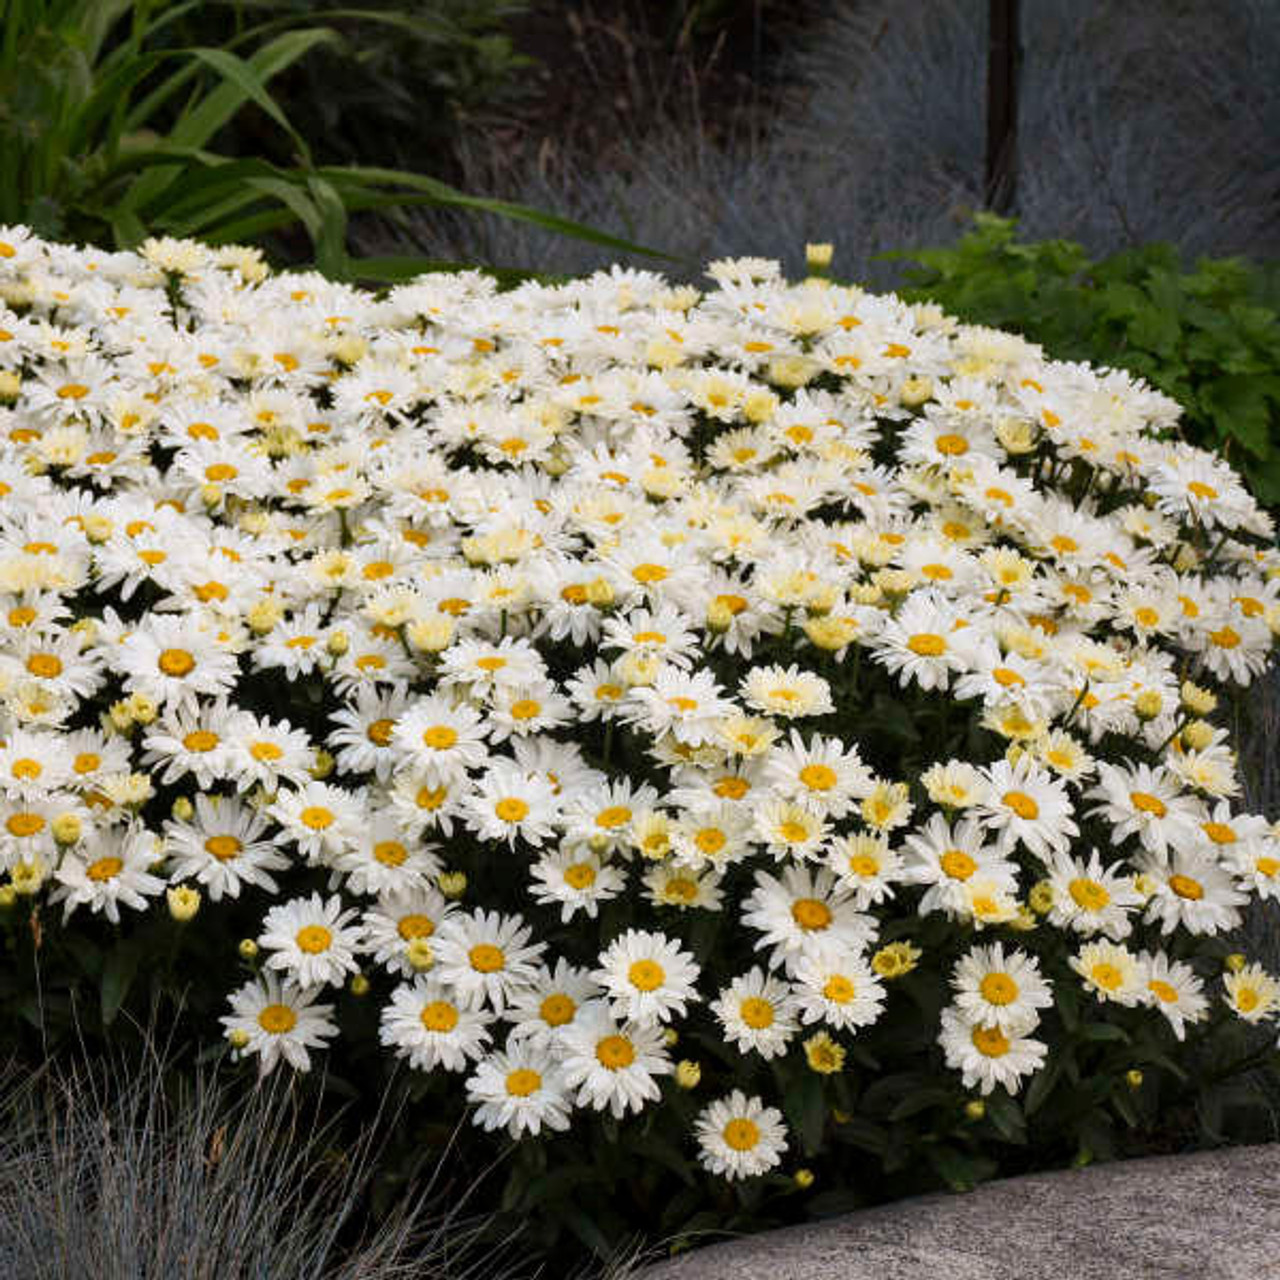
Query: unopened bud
(183, 810)
(688, 1074)
(248, 949)
(420, 955)
(1133, 1078)
(184, 902)
(975, 1109)
(452, 884)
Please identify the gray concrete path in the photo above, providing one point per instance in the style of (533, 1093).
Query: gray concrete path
(1214, 1215)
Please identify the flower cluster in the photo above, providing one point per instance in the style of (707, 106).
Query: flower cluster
(540, 659)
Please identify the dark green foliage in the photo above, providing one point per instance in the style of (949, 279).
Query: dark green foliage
(1209, 337)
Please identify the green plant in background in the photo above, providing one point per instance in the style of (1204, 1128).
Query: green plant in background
(1208, 337)
(107, 124)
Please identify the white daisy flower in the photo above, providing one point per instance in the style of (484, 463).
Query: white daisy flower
(577, 880)
(613, 1065)
(276, 1020)
(1089, 898)
(428, 1025)
(222, 849)
(757, 1011)
(1026, 805)
(803, 909)
(106, 870)
(1192, 890)
(1174, 989)
(838, 987)
(486, 957)
(312, 940)
(826, 776)
(507, 804)
(986, 1055)
(399, 919)
(739, 1137)
(440, 739)
(994, 989)
(541, 1011)
(1110, 971)
(323, 821)
(519, 1090)
(647, 977)
(789, 692)
(384, 860)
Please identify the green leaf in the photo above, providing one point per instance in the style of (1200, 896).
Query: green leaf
(1042, 1083)
(117, 977)
(1107, 1031)
(1006, 1116)
(1241, 409)
(959, 1171)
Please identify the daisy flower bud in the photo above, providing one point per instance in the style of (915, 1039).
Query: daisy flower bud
(823, 1054)
(121, 716)
(238, 1038)
(895, 959)
(975, 1109)
(248, 949)
(803, 1178)
(323, 766)
(1197, 735)
(10, 386)
(1234, 963)
(338, 644)
(431, 635)
(184, 902)
(359, 985)
(27, 877)
(66, 828)
(688, 1074)
(453, 884)
(183, 809)
(818, 257)
(600, 593)
(420, 955)
(1133, 1078)
(915, 391)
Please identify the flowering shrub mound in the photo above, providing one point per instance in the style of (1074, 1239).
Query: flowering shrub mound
(768, 729)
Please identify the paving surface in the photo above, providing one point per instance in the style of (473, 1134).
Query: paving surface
(1214, 1215)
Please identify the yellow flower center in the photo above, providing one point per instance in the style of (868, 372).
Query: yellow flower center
(486, 958)
(811, 914)
(957, 864)
(277, 1019)
(1199, 489)
(391, 853)
(1267, 866)
(511, 809)
(1219, 832)
(265, 751)
(614, 816)
(440, 737)
(1022, 804)
(525, 708)
(522, 1082)
(839, 989)
(818, 777)
(176, 663)
(27, 769)
(580, 875)
(646, 975)
(86, 762)
(615, 1053)
(557, 1010)
(45, 666)
(200, 741)
(224, 848)
(731, 788)
(741, 1134)
(439, 1016)
(415, 926)
(927, 644)
(313, 939)
(316, 817)
(1006, 677)
(1163, 991)
(1186, 887)
(1227, 638)
(647, 573)
(757, 1013)
(1146, 616)
(379, 732)
(998, 988)
(793, 832)
(104, 869)
(1247, 999)
(991, 1042)
(1148, 803)
(951, 445)
(1107, 976)
(24, 824)
(1088, 894)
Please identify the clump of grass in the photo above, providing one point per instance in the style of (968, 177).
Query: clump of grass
(1137, 123)
(125, 1174)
